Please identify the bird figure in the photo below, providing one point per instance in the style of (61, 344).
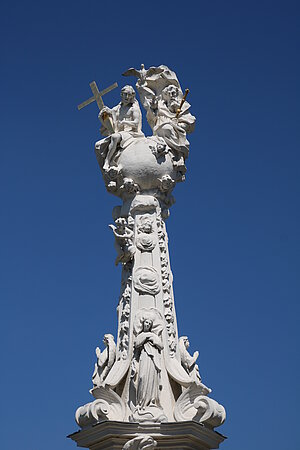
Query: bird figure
(143, 73)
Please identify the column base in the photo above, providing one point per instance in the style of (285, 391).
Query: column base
(111, 435)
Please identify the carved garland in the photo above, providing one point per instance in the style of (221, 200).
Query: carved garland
(166, 287)
(124, 312)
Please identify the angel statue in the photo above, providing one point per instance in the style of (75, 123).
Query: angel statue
(188, 361)
(126, 122)
(105, 360)
(123, 241)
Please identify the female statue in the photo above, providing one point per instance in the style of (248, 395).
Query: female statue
(148, 347)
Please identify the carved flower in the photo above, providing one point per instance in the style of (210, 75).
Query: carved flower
(146, 242)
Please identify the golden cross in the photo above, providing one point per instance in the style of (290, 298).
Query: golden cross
(97, 96)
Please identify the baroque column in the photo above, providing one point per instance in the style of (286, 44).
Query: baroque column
(147, 387)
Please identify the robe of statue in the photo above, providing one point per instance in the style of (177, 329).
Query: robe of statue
(148, 385)
(173, 130)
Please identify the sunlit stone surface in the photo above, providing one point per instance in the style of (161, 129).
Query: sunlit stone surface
(146, 385)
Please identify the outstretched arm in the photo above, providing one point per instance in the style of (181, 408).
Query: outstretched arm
(127, 235)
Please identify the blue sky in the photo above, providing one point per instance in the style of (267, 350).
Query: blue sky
(234, 230)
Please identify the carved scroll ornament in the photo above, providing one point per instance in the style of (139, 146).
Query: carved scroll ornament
(194, 405)
(108, 406)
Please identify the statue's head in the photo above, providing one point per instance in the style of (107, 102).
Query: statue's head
(107, 338)
(148, 320)
(129, 185)
(127, 95)
(170, 93)
(147, 324)
(166, 183)
(185, 341)
(121, 223)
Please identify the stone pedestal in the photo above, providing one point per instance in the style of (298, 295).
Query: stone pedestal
(111, 435)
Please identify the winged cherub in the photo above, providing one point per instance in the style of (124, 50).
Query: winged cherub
(143, 73)
(123, 240)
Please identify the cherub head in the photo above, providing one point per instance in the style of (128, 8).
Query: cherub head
(145, 224)
(107, 338)
(166, 183)
(121, 224)
(129, 185)
(185, 341)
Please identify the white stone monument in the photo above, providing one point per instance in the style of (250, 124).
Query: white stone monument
(147, 387)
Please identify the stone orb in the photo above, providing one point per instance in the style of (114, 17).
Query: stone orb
(138, 162)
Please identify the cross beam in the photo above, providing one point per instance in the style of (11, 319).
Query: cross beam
(97, 96)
